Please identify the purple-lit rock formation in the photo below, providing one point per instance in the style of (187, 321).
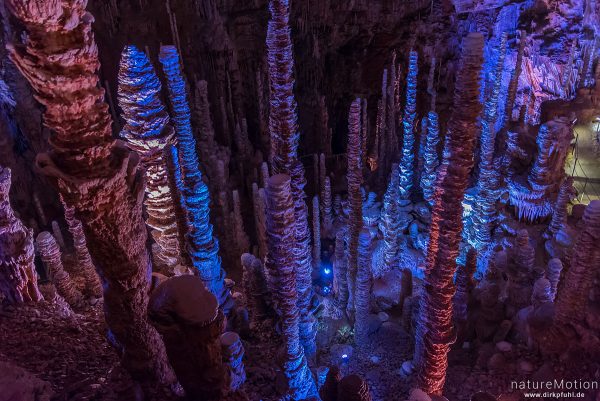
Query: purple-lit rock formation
(18, 278)
(202, 246)
(147, 132)
(283, 127)
(408, 125)
(362, 296)
(431, 158)
(446, 221)
(94, 173)
(232, 351)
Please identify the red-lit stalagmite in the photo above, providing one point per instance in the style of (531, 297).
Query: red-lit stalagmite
(436, 324)
(283, 127)
(95, 174)
(18, 279)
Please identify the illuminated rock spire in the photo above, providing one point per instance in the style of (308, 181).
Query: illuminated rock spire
(95, 174)
(285, 137)
(280, 266)
(390, 224)
(408, 124)
(203, 247)
(431, 158)
(436, 325)
(147, 132)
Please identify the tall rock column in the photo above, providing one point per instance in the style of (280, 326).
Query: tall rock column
(147, 132)
(363, 289)
(436, 326)
(431, 159)
(390, 224)
(18, 278)
(408, 123)
(354, 176)
(280, 265)
(283, 127)
(202, 245)
(95, 174)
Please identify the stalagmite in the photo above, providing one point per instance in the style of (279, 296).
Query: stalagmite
(51, 256)
(280, 264)
(190, 322)
(514, 82)
(18, 278)
(340, 271)
(202, 246)
(553, 271)
(94, 173)
(232, 351)
(283, 127)
(84, 260)
(258, 203)
(147, 132)
(255, 287)
(58, 234)
(353, 388)
(316, 256)
(560, 213)
(524, 252)
(354, 198)
(485, 204)
(541, 293)
(390, 224)
(362, 296)
(329, 390)
(573, 296)
(408, 125)
(242, 241)
(431, 159)
(464, 285)
(446, 222)
(326, 209)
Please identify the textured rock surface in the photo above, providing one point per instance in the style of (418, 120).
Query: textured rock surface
(363, 289)
(18, 278)
(95, 175)
(232, 351)
(446, 222)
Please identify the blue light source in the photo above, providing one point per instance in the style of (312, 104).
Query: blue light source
(345, 356)
(327, 271)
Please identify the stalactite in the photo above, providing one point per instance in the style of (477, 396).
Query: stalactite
(51, 256)
(408, 125)
(390, 114)
(464, 285)
(242, 241)
(435, 326)
(283, 127)
(354, 197)
(84, 260)
(485, 204)
(560, 213)
(95, 174)
(202, 246)
(316, 220)
(232, 351)
(326, 209)
(390, 224)
(553, 271)
(18, 278)
(147, 132)
(363, 289)
(258, 202)
(281, 264)
(431, 159)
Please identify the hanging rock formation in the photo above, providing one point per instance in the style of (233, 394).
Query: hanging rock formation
(94, 173)
(280, 264)
(147, 132)
(446, 221)
(18, 278)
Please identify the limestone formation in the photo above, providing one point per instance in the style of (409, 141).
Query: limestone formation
(281, 258)
(524, 253)
(560, 213)
(258, 203)
(353, 388)
(51, 256)
(391, 224)
(94, 173)
(326, 212)
(147, 132)
(340, 271)
(553, 271)
(430, 156)
(316, 220)
(255, 287)
(408, 125)
(464, 285)
(241, 238)
(232, 352)
(446, 221)
(362, 299)
(18, 278)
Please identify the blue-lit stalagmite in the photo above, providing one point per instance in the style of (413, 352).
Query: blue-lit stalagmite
(408, 124)
(431, 158)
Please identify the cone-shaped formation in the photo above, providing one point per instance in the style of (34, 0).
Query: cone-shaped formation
(147, 132)
(232, 351)
(362, 298)
(189, 320)
(280, 264)
(340, 271)
(464, 285)
(559, 215)
(446, 222)
(94, 174)
(353, 388)
(18, 278)
(585, 261)
(202, 246)
(84, 260)
(390, 224)
(51, 256)
(316, 218)
(553, 271)
(329, 389)
(408, 125)
(485, 205)
(283, 127)
(354, 197)
(57, 233)
(326, 212)
(258, 203)
(255, 287)
(242, 241)
(430, 156)
(542, 292)
(524, 252)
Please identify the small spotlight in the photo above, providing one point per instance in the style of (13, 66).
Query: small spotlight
(345, 356)
(327, 271)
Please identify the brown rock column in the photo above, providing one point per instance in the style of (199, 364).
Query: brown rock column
(95, 174)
